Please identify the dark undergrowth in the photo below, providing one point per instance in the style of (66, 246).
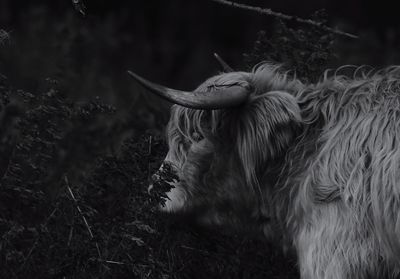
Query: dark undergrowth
(73, 188)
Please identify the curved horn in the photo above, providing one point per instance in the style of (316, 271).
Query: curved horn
(229, 96)
(225, 67)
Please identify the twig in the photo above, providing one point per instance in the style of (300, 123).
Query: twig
(149, 150)
(148, 160)
(70, 236)
(37, 238)
(114, 262)
(81, 213)
(282, 16)
(79, 209)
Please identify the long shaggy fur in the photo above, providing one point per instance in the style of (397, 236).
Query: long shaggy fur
(316, 163)
(343, 201)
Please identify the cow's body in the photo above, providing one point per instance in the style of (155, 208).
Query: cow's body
(314, 165)
(340, 188)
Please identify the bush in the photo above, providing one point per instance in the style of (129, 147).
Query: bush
(307, 52)
(69, 207)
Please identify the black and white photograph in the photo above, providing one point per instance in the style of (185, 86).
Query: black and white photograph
(184, 139)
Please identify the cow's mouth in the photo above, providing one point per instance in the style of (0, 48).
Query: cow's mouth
(165, 180)
(175, 199)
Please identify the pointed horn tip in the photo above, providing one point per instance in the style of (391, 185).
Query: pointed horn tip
(139, 79)
(225, 67)
(132, 74)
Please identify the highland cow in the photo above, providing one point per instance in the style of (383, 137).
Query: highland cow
(315, 166)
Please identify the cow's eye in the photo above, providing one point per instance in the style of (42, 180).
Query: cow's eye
(197, 136)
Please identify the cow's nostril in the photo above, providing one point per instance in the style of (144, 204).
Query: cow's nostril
(154, 178)
(150, 188)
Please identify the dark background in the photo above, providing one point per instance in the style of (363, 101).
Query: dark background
(170, 42)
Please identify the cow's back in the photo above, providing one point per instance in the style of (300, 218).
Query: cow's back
(343, 179)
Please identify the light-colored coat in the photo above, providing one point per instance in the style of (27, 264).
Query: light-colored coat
(316, 166)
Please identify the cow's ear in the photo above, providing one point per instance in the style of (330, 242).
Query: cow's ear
(264, 129)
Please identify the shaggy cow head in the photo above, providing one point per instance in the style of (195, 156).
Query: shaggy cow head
(227, 140)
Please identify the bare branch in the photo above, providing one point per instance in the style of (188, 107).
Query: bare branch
(81, 213)
(282, 16)
(79, 209)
